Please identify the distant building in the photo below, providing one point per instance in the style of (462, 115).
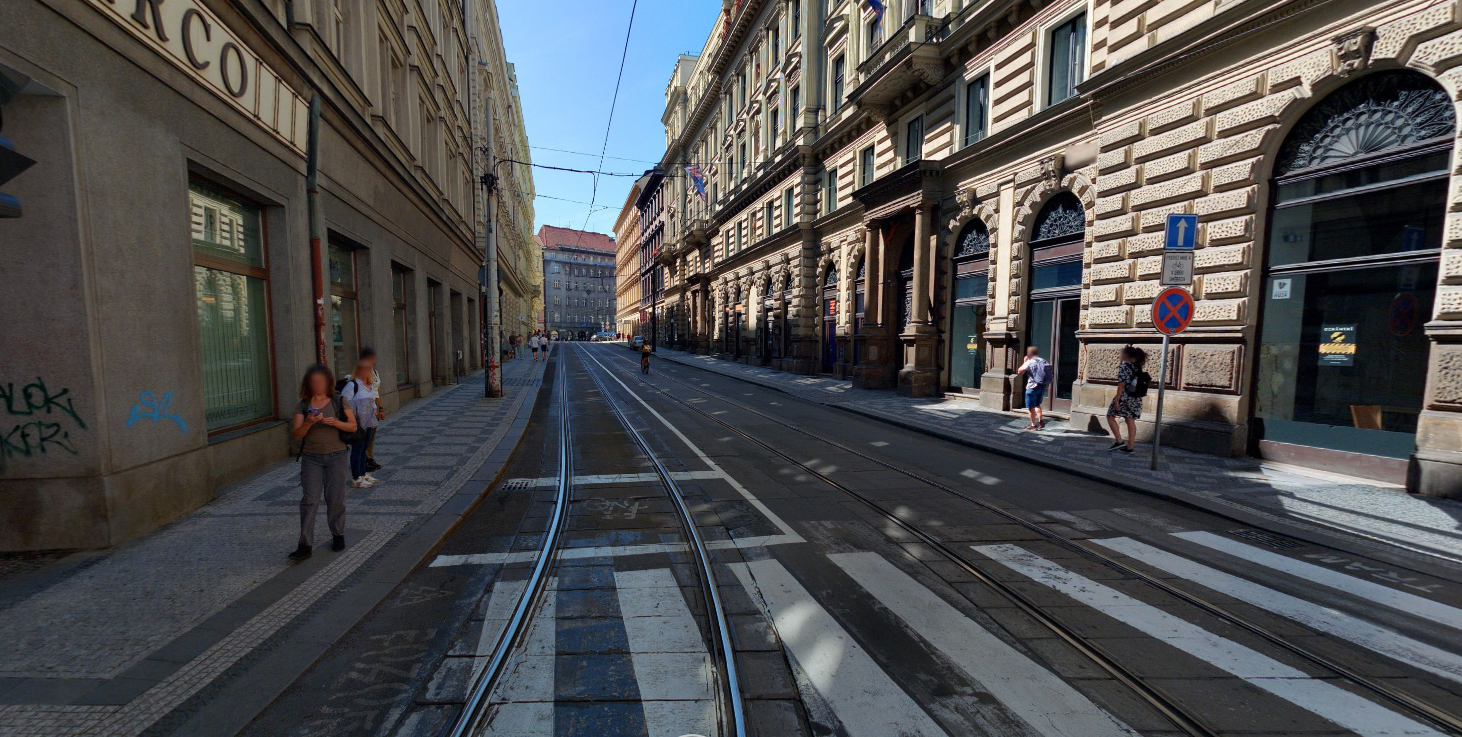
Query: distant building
(578, 282)
(627, 265)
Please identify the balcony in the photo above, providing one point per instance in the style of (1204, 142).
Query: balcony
(910, 57)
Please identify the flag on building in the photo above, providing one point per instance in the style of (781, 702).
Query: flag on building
(877, 6)
(697, 179)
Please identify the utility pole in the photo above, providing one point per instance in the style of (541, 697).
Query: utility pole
(493, 386)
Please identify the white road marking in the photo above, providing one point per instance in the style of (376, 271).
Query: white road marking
(500, 603)
(864, 699)
(670, 660)
(1386, 596)
(788, 534)
(524, 694)
(522, 556)
(615, 478)
(1342, 707)
(1046, 703)
(1324, 619)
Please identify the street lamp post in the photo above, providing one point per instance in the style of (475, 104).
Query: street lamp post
(492, 342)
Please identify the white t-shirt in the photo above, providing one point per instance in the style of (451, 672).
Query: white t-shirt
(533, 342)
(362, 398)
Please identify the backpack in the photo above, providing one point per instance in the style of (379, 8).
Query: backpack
(349, 438)
(1139, 384)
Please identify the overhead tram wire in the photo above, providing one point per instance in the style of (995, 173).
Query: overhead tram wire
(609, 125)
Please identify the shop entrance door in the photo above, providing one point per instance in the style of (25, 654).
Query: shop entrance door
(1053, 331)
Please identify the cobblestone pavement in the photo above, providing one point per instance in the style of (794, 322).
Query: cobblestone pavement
(1379, 515)
(112, 644)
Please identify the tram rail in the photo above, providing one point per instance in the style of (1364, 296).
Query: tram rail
(1169, 707)
(729, 682)
(476, 705)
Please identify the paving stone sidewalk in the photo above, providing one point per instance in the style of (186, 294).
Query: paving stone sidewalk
(1379, 516)
(111, 642)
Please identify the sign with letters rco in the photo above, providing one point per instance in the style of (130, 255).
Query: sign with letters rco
(191, 37)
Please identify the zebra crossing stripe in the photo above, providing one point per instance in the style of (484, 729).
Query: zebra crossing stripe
(1046, 703)
(1432, 611)
(860, 694)
(1384, 641)
(1342, 707)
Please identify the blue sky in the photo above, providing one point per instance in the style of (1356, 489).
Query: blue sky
(567, 55)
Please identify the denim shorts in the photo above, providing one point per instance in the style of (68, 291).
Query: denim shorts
(1034, 396)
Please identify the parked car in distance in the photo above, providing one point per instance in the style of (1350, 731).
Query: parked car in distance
(637, 343)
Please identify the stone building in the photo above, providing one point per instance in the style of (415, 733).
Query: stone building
(578, 282)
(627, 265)
(909, 198)
(164, 276)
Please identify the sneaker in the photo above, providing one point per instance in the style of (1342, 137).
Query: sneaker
(338, 543)
(370, 480)
(300, 553)
(371, 465)
(357, 483)
(1115, 445)
(1126, 450)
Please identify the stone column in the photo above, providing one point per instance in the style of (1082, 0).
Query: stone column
(919, 376)
(874, 344)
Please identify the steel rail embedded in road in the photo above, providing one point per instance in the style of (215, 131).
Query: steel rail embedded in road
(1428, 713)
(710, 592)
(476, 705)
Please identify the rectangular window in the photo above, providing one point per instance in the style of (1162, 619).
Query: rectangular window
(773, 130)
(977, 109)
(740, 162)
(344, 312)
(914, 139)
(788, 216)
(865, 166)
(776, 44)
(794, 99)
(767, 218)
(740, 234)
(401, 294)
(875, 35)
(1067, 58)
(796, 18)
(832, 189)
(838, 68)
(231, 277)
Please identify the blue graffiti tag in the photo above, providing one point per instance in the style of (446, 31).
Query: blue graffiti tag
(151, 407)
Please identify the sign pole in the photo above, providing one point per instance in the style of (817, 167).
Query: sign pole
(1162, 384)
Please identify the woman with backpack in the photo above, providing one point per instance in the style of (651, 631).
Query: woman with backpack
(320, 421)
(361, 396)
(1132, 384)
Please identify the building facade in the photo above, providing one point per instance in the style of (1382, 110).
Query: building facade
(627, 265)
(578, 282)
(908, 198)
(182, 222)
(655, 328)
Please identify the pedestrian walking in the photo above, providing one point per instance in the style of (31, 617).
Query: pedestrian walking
(645, 358)
(319, 421)
(1038, 376)
(368, 355)
(1132, 383)
(533, 345)
(361, 399)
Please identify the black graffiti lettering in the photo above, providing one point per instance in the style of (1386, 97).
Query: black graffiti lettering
(35, 397)
(243, 75)
(139, 14)
(190, 15)
(31, 438)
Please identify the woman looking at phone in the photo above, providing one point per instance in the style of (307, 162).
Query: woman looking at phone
(319, 421)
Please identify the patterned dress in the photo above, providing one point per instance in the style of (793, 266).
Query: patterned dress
(1125, 405)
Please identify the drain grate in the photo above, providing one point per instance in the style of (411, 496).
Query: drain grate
(517, 484)
(1266, 539)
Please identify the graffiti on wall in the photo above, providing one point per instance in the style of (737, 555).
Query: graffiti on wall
(36, 420)
(155, 409)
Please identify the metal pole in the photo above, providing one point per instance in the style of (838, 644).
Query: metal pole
(316, 217)
(493, 386)
(1162, 383)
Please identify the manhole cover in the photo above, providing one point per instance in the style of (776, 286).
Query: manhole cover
(517, 484)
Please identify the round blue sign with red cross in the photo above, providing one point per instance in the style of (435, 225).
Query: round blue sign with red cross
(1172, 311)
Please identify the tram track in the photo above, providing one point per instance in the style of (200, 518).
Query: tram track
(730, 707)
(1170, 707)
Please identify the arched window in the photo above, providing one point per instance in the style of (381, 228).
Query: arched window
(1359, 202)
(973, 240)
(1062, 220)
(830, 279)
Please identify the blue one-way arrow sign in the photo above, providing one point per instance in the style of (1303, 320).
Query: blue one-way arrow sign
(1181, 233)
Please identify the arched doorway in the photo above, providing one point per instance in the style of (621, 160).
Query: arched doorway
(860, 306)
(1055, 297)
(829, 318)
(905, 305)
(1359, 199)
(971, 288)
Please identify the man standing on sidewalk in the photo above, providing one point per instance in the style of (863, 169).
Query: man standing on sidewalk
(1037, 373)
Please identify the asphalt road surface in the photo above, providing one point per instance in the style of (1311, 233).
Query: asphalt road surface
(870, 581)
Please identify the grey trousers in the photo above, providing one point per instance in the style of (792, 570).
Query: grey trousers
(327, 475)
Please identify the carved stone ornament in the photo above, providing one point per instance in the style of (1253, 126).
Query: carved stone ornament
(1353, 50)
(1051, 170)
(929, 71)
(1373, 114)
(879, 112)
(974, 240)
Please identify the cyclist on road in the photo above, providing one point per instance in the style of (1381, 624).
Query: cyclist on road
(645, 358)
